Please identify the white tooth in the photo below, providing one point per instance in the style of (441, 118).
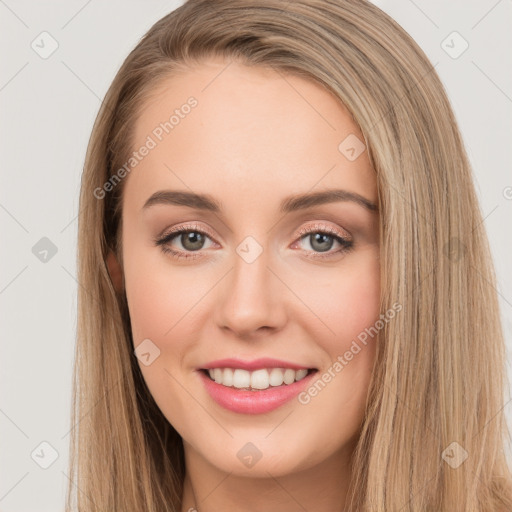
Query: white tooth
(259, 379)
(276, 377)
(241, 378)
(289, 376)
(300, 374)
(227, 377)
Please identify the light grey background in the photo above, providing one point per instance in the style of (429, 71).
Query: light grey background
(48, 107)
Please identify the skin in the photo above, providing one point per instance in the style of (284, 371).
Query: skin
(255, 138)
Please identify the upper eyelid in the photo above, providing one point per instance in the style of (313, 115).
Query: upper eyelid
(187, 227)
(318, 226)
(324, 228)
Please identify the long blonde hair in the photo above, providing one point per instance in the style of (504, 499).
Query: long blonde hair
(439, 376)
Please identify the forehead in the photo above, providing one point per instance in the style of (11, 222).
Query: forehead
(244, 134)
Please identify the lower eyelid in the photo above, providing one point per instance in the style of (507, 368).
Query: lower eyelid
(345, 243)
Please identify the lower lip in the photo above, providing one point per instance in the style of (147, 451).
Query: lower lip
(253, 402)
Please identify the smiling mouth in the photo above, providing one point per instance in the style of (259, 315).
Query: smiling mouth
(257, 380)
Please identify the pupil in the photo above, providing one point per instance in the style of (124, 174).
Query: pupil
(317, 240)
(192, 241)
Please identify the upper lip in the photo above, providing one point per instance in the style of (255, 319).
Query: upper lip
(255, 364)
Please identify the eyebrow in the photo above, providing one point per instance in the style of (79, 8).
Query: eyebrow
(290, 204)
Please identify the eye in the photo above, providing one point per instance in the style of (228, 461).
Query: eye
(322, 238)
(191, 238)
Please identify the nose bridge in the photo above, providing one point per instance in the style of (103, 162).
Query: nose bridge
(249, 296)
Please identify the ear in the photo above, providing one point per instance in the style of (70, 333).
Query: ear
(115, 271)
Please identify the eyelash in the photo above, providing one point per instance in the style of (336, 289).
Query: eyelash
(347, 245)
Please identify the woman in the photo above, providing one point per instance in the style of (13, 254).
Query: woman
(286, 296)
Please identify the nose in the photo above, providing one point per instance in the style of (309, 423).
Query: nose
(251, 299)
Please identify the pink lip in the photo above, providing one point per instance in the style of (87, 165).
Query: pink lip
(252, 402)
(256, 364)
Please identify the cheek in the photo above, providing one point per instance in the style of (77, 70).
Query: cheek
(161, 304)
(347, 301)
(349, 307)
(159, 297)
(151, 305)
(356, 303)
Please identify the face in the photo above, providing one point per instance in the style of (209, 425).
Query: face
(249, 281)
